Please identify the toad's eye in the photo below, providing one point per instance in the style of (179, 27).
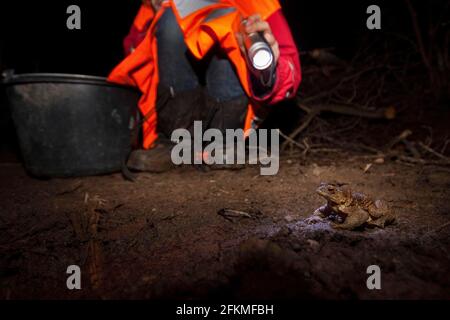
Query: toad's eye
(330, 188)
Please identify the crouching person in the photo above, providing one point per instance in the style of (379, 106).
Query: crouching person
(193, 61)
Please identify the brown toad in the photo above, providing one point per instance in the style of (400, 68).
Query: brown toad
(354, 208)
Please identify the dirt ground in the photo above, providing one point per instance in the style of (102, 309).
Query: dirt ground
(163, 236)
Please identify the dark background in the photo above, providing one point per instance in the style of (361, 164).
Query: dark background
(35, 37)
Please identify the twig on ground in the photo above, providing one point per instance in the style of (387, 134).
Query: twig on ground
(444, 147)
(349, 110)
(290, 140)
(72, 190)
(411, 146)
(401, 137)
(436, 229)
(231, 214)
(422, 161)
(304, 125)
(433, 152)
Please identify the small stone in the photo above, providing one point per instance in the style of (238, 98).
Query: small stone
(289, 218)
(317, 171)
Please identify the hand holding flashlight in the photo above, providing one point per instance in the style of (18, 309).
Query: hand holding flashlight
(259, 45)
(254, 24)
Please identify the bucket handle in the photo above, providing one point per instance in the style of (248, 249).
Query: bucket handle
(7, 75)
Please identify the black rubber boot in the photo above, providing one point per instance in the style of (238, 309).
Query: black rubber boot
(156, 160)
(227, 115)
(180, 110)
(174, 111)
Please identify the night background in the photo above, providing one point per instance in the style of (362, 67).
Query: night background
(36, 39)
(372, 112)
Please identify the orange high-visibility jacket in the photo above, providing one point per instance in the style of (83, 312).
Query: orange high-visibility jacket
(139, 29)
(204, 23)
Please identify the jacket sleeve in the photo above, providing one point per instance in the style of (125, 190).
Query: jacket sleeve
(288, 72)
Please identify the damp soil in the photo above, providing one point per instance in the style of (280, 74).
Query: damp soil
(166, 235)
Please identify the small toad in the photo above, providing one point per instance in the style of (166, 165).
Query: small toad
(353, 209)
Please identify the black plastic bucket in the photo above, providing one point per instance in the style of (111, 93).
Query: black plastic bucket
(71, 125)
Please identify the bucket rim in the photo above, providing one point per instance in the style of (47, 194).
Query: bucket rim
(27, 78)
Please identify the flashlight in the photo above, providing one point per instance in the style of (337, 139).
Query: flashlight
(260, 56)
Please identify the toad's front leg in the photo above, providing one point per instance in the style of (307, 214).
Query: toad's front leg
(324, 211)
(355, 218)
(320, 214)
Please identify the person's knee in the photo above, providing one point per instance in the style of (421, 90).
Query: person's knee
(222, 81)
(175, 69)
(168, 32)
